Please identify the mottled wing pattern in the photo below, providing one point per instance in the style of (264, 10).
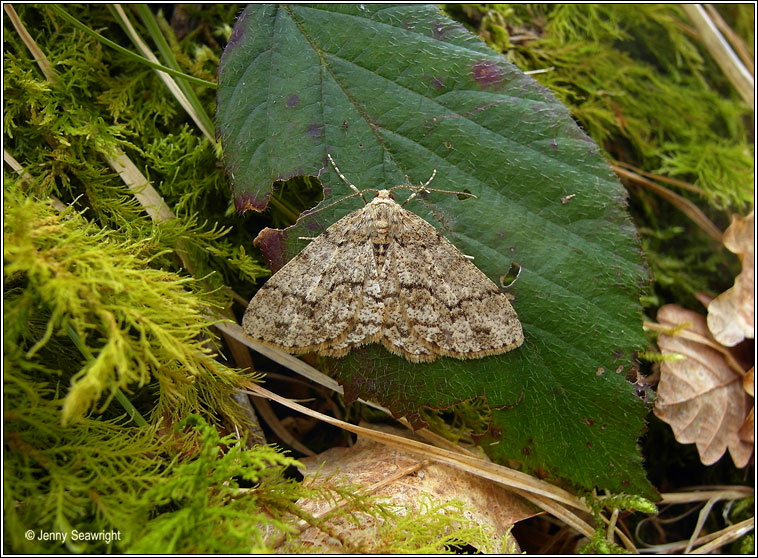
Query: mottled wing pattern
(313, 302)
(442, 304)
(383, 274)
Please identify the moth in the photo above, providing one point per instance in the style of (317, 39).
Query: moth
(381, 274)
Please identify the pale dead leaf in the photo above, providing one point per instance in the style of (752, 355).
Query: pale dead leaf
(368, 463)
(748, 382)
(701, 397)
(731, 314)
(747, 430)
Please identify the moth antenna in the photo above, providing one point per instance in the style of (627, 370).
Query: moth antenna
(425, 188)
(434, 173)
(358, 193)
(345, 180)
(421, 188)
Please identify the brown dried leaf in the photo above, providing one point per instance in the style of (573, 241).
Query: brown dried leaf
(701, 397)
(747, 430)
(368, 463)
(731, 314)
(748, 382)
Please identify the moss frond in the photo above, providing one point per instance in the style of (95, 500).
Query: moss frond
(461, 423)
(599, 543)
(138, 324)
(436, 528)
(223, 498)
(57, 479)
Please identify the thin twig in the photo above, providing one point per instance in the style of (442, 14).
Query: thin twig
(685, 205)
(701, 518)
(714, 540)
(660, 178)
(726, 493)
(725, 536)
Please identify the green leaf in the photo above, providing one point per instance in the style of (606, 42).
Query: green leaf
(397, 91)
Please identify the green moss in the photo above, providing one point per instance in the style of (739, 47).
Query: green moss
(136, 324)
(103, 102)
(598, 543)
(219, 500)
(463, 422)
(187, 490)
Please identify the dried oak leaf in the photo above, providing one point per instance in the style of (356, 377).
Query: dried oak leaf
(701, 397)
(731, 314)
(367, 463)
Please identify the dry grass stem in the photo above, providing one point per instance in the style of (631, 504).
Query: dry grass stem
(685, 205)
(722, 53)
(735, 40)
(36, 52)
(660, 178)
(497, 473)
(167, 79)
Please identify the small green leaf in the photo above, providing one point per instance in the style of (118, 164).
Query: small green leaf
(394, 92)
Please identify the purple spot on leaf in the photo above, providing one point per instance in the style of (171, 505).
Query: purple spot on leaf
(313, 226)
(438, 82)
(292, 101)
(315, 130)
(239, 30)
(487, 73)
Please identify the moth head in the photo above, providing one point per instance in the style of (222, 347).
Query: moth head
(384, 195)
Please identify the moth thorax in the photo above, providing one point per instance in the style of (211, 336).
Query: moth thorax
(381, 221)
